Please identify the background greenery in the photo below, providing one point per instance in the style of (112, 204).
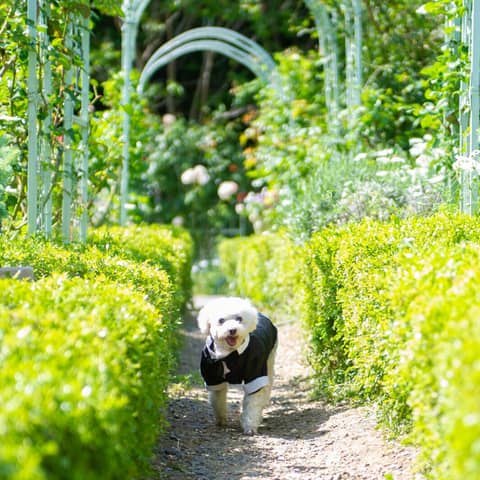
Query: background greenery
(291, 169)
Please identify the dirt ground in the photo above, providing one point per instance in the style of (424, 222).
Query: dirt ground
(299, 438)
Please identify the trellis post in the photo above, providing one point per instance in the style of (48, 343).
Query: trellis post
(470, 205)
(469, 101)
(32, 87)
(132, 10)
(463, 97)
(329, 51)
(45, 145)
(357, 25)
(67, 144)
(353, 52)
(83, 121)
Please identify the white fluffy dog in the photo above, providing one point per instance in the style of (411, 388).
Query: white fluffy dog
(240, 349)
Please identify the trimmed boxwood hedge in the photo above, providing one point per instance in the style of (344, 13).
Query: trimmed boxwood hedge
(86, 353)
(166, 247)
(265, 268)
(392, 311)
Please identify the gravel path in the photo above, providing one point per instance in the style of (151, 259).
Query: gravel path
(299, 438)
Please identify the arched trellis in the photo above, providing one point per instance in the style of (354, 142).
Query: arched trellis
(217, 39)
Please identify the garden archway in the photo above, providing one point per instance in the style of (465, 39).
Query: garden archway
(218, 39)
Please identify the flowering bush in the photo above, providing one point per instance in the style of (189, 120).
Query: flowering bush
(193, 175)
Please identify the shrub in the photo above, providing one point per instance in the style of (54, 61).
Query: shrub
(94, 354)
(264, 268)
(47, 258)
(83, 377)
(166, 247)
(392, 311)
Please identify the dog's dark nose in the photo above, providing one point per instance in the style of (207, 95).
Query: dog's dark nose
(232, 331)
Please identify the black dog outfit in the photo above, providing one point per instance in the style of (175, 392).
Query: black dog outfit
(247, 365)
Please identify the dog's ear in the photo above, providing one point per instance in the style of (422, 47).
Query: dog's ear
(203, 320)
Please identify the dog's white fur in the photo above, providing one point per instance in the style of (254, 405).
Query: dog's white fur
(219, 318)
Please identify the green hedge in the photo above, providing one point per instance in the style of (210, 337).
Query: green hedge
(392, 311)
(47, 258)
(82, 363)
(86, 361)
(264, 268)
(398, 328)
(166, 247)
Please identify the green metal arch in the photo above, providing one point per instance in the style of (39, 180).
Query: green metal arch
(221, 40)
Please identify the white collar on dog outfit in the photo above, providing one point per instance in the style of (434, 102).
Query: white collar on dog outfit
(210, 344)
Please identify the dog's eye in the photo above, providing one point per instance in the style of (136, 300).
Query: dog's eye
(238, 318)
(221, 321)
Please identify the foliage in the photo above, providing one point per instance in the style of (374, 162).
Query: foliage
(321, 169)
(175, 149)
(7, 156)
(391, 313)
(385, 305)
(82, 379)
(265, 268)
(99, 324)
(195, 85)
(161, 151)
(443, 80)
(291, 156)
(163, 247)
(15, 47)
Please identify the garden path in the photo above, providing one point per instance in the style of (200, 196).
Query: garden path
(300, 438)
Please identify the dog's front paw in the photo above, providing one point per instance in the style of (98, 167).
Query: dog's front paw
(221, 422)
(249, 431)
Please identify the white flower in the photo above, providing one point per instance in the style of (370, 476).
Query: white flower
(197, 174)
(239, 208)
(178, 221)
(257, 226)
(257, 183)
(227, 189)
(360, 157)
(201, 173)
(423, 160)
(466, 164)
(417, 148)
(168, 119)
(188, 176)
(437, 178)
(384, 153)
